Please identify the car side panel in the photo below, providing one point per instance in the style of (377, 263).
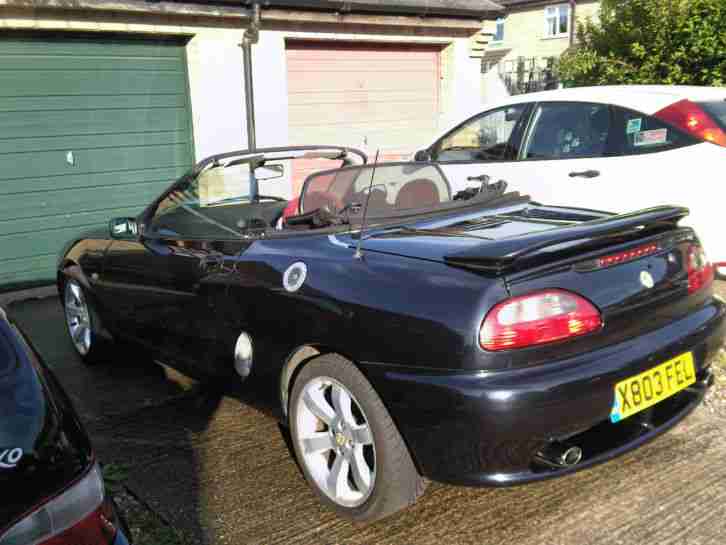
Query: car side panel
(378, 308)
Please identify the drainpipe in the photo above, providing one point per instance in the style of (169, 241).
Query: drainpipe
(250, 37)
(573, 23)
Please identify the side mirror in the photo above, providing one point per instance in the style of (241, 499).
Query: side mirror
(269, 172)
(123, 228)
(423, 155)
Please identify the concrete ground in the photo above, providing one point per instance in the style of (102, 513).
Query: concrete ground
(219, 470)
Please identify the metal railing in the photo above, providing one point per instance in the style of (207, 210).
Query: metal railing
(527, 75)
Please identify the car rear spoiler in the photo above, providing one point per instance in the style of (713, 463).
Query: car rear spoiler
(498, 256)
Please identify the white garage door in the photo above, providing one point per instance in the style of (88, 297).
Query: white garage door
(370, 95)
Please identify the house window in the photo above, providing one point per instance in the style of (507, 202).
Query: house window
(499, 32)
(557, 21)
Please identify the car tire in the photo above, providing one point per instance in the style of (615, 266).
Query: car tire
(82, 323)
(334, 449)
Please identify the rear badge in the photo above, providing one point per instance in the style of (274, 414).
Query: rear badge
(9, 458)
(647, 279)
(294, 276)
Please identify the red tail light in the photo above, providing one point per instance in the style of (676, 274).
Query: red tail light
(538, 318)
(700, 271)
(77, 516)
(691, 118)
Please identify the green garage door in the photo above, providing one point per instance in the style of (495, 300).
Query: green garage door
(90, 128)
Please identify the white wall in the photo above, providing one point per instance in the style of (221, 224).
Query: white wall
(217, 86)
(465, 85)
(217, 92)
(216, 82)
(269, 71)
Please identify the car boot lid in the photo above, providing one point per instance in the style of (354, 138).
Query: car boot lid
(500, 240)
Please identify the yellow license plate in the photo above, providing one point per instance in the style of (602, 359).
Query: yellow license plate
(637, 393)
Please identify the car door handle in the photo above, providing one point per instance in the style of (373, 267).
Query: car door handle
(484, 178)
(585, 174)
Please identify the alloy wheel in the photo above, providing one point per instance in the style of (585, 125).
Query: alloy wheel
(78, 317)
(336, 442)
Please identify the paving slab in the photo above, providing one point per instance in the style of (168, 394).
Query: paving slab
(220, 469)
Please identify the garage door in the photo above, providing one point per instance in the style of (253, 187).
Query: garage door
(90, 128)
(366, 95)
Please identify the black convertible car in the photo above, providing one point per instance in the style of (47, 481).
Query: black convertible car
(410, 329)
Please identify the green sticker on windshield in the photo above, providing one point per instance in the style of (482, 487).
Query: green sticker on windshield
(633, 125)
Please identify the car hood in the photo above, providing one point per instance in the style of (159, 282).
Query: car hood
(42, 446)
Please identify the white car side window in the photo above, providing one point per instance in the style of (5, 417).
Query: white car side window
(636, 133)
(485, 138)
(563, 130)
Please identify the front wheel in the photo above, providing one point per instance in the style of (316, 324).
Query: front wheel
(83, 325)
(347, 444)
(80, 323)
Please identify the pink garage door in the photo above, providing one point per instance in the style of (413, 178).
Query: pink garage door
(365, 95)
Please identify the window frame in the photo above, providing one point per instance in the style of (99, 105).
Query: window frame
(516, 136)
(558, 14)
(530, 126)
(499, 26)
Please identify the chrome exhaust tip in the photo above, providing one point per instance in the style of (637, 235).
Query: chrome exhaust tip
(559, 456)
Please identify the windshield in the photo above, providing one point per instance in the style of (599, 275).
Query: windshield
(394, 189)
(232, 196)
(217, 186)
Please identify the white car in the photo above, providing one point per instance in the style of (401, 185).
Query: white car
(616, 148)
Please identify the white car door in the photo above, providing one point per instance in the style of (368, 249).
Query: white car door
(555, 162)
(564, 154)
(485, 145)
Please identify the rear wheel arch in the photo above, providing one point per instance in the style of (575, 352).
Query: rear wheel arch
(294, 363)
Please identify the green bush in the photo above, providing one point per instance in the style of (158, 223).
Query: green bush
(679, 42)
